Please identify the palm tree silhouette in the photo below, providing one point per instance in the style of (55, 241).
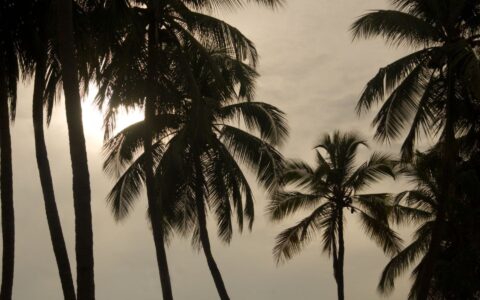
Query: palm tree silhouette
(157, 26)
(328, 190)
(197, 166)
(424, 87)
(9, 71)
(78, 153)
(44, 92)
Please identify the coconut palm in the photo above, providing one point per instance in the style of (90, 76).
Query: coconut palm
(44, 91)
(78, 153)
(457, 265)
(154, 26)
(327, 190)
(423, 89)
(197, 166)
(9, 71)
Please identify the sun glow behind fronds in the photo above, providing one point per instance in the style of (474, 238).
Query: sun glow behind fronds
(93, 117)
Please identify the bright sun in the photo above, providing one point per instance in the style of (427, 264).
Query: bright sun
(93, 117)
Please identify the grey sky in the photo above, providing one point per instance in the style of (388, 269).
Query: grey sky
(311, 69)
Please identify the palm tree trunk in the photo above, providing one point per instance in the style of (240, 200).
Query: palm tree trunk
(53, 219)
(340, 258)
(6, 189)
(202, 224)
(78, 153)
(153, 204)
(447, 187)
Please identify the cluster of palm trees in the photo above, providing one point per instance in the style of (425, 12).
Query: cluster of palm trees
(193, 76)
(434, 93)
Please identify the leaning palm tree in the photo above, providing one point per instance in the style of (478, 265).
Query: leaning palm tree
(78, 152)
(328, 190)
(39, 61)
(423, 89)
(197, 166)
(156, 26)
(10, 14)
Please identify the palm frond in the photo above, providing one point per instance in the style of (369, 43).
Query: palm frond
(267, 119)
(381, 233)
(389, 77)
(400, 263)
(378, 166)
(292, 240)
(284, 203)
(396, 27)
(258, 155)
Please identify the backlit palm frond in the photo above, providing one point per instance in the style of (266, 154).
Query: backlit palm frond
(396, 27)
(377, 167)
(296, 172)
(268, 120)
(388, 78)
(292, 240)
(381, 233)
(399, 107)
(400, 263)
(424, 118)
(255, 153)
(285, 203)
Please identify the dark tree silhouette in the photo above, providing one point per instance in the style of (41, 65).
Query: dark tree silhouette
(328, 190)
(78, 152)
(422, 87)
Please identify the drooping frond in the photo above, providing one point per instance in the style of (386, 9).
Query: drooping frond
(378, 166)
(389, 77)
(399, 107)
(268, 120)
(284, 203)
(292, 240)
(296, 172)
(255, 153)
(381, 233)
(396, 27)
(400, 263)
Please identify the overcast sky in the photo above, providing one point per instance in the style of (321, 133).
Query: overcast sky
(311, 69)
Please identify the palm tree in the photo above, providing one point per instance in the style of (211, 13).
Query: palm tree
(328, 190)
(457, 265)
(10, 15)
(78, 153)
(154, 26)
(43, 95)
(196, 166)
(422, 90)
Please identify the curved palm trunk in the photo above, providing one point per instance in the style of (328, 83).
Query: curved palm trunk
(6, 189)
(78, 153)
(153, 205)
(202, 224)
(338, 258)
(53, 219)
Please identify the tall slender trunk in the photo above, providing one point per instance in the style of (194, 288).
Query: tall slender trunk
(338, 265)
(154, 206)
(341, 257)
(78, 153)
(202, 224)
(53, 219)
(447, 188)
(6, 189)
